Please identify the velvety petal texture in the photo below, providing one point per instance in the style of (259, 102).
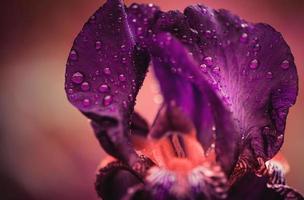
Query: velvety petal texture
(254, 71)
(104, 72)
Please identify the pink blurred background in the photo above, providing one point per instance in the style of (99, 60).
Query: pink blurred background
(47, 148)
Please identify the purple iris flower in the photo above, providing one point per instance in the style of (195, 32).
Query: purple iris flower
(227, 86)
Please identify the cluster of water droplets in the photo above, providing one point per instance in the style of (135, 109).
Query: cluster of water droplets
(80, 81)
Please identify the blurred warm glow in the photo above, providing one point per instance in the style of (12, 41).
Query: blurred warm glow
(47, 148)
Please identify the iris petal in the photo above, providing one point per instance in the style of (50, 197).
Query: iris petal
(104, 72)
(114, 181)
(183, 83)
(255, 69)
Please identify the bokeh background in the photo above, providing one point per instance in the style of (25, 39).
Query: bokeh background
(47, 148)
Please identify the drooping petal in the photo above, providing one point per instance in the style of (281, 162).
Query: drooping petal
(254, 67)
(251, 187)
(114, 180)
(104, 72)
(182, 83)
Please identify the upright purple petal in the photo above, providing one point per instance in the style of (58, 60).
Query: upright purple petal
(253, 66)
(104, 72)
(183, 84)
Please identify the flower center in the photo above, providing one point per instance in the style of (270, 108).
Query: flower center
(177, 152)
(181, 164)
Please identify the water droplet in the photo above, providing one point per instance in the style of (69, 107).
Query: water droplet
(209, 61)
(85, 86)
(269, 75)
(134, 6)
(266, 130)
(244, 25)
(122, 77)
(216, 69)
(77, 78)
(107, 100)
(70, 91)
(97, 45)
(130, 96)
(123, 46)
(280, 137)
(73, 55)
(86, 102)
(204, 10)
(150, 5)
(254, 64)
(244, 37)
(208, 33)
(104, 88)
(257, 47)
(139, 30)
(175, 29)
(124, 60)
(107, 71)
(203, 67)
(285, 64)
(173, 70)
(134, 20)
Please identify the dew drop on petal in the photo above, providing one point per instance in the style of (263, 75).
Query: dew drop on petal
(122, 77)
(70, 91)
(257, 47)
(85, 86)
(77, 78)
(97, 72)
(209, 61)
(244, 25)
(269, 75)
(104, 88)
(107, 100)
(280, 137)
(203, 67)
(97, 45)
(107, 71)
(73, 55)
(216, 69)
(134, 6)
(130, 96)
(86, 102)
(208, 33)
(285, 64)
(254, 64)
(244, 37)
